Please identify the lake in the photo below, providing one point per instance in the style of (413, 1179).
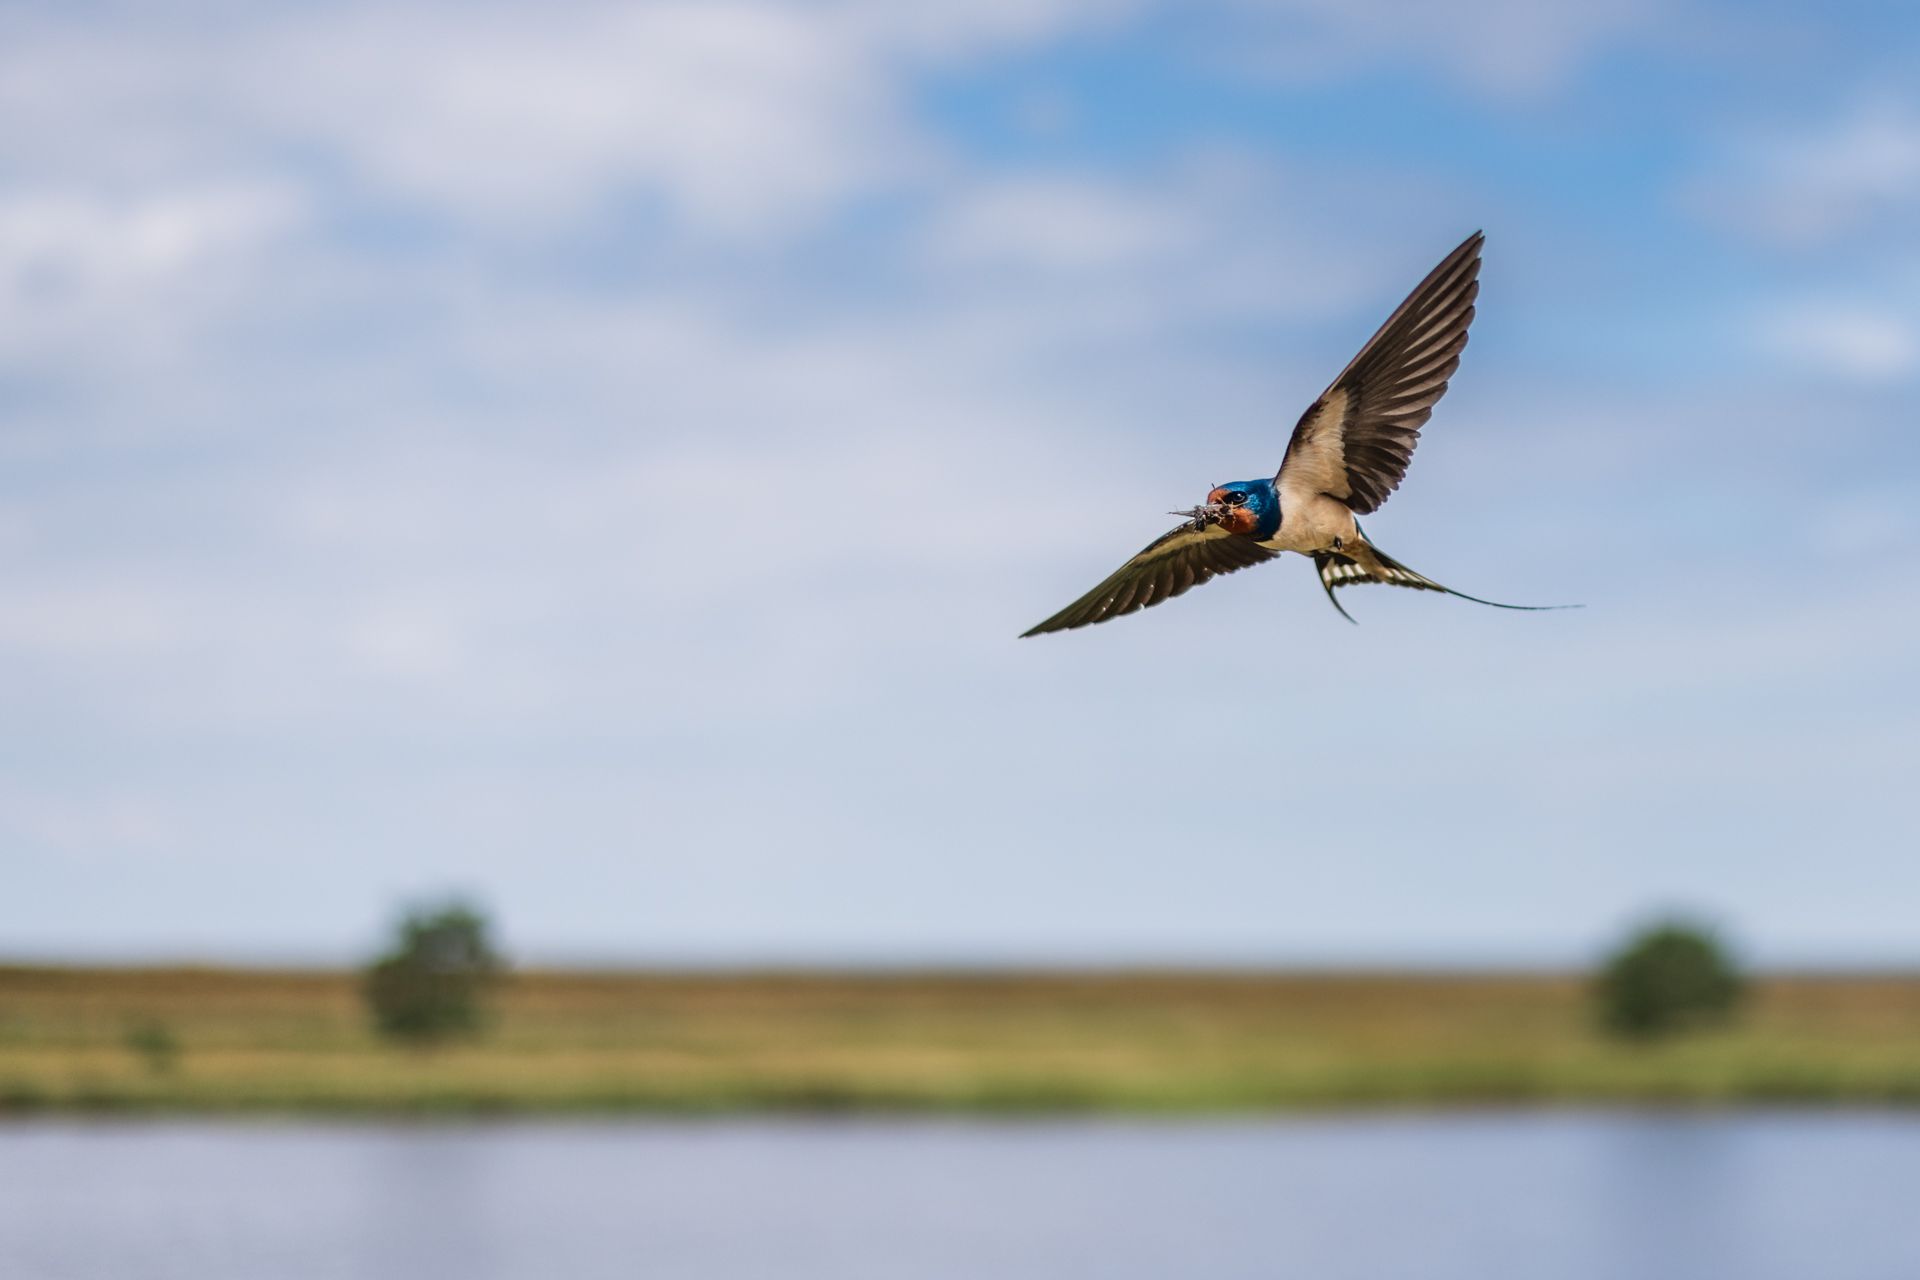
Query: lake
(1542, 1195)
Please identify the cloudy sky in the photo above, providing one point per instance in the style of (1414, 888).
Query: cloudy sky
(597, 457)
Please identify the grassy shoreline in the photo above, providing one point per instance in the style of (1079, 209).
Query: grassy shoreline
(296, 1043)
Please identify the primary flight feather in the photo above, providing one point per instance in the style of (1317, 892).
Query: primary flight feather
(1348, 453)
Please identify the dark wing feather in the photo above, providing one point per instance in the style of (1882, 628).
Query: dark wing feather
(1165, 567)
(1355, 441)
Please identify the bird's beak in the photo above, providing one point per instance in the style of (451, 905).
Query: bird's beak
(1203, 515)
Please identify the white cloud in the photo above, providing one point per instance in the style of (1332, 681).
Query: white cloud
(741, 116)
(77, 265)
(96, 827)
(1498, 47)
(1807, 187)
(1174, 249)
(1056, 224)
(745, 116)
(75, 623)
(71, 235)
(405, 641)
(1853, 341)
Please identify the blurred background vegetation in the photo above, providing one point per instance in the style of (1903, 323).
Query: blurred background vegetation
(1666, 1020)
(1672, 977)
(432, 986)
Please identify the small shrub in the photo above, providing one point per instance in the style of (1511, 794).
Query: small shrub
(154, 1043)
(22, 1096)
(1671, 977)
(432, 985)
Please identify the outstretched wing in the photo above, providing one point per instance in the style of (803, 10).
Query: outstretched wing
(1354, 442)
(1165, 568)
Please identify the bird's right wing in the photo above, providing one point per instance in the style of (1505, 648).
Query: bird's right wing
(1355, 441)
(1165, 567)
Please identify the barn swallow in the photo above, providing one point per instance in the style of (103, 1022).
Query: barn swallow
(1348, 452)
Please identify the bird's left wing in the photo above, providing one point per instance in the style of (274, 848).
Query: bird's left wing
(1354, 442)
(1165, 567)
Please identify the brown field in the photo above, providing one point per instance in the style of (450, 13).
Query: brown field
(70, 1039)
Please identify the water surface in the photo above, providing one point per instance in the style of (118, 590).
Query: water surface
(1549, 1196)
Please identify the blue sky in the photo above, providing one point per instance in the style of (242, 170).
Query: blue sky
(597, 458)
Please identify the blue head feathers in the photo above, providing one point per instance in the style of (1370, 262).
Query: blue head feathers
(1257, 499)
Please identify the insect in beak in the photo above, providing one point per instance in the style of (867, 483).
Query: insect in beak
(1203, 515)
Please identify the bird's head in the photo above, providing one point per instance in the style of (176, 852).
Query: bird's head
(1249, 507)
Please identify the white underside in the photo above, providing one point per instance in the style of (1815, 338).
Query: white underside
(1315, 523)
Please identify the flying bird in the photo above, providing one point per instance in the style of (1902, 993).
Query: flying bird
(1348, 452)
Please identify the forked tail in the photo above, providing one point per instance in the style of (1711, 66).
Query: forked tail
(1365, 562)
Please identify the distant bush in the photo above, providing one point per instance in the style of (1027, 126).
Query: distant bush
(432, 985)
(154, 1043)
(1673, 976)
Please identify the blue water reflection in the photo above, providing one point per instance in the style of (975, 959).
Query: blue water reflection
(1549, 1196)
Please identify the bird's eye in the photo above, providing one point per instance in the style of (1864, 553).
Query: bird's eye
(1236, 499)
